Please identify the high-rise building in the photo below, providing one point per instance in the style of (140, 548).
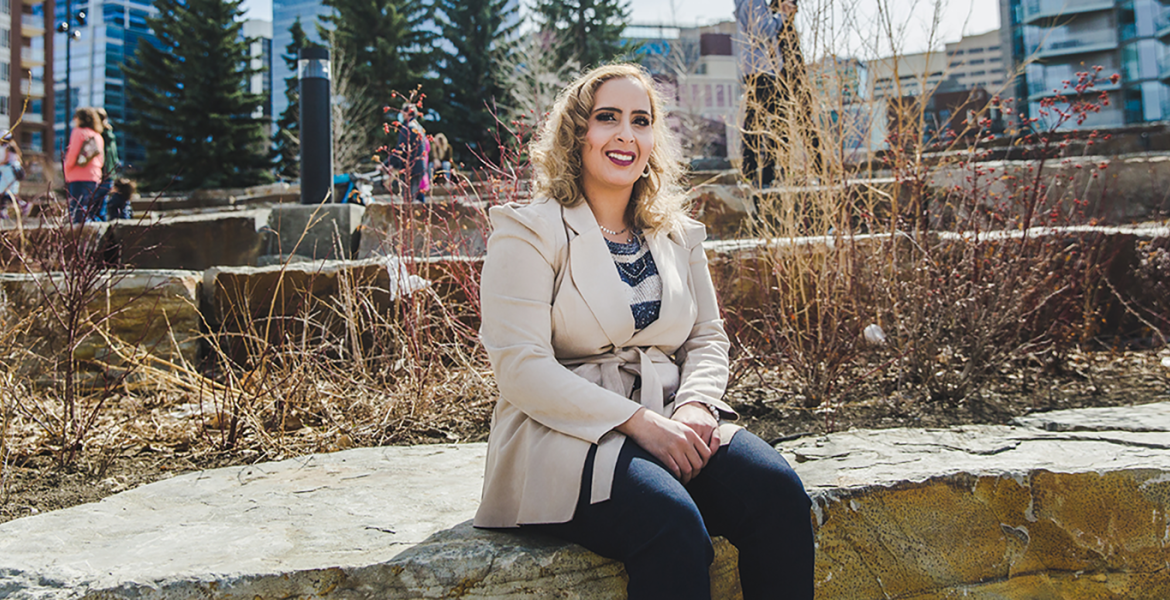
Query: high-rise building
(24, 37)
(699, 65)
(1054, 40)
(261, 52)
(284, 14)
(96, 78)
(977, 61)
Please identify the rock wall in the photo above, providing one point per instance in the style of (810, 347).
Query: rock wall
(983, 512)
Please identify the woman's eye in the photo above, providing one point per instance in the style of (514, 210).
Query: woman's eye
(642, 121)
(605, 116)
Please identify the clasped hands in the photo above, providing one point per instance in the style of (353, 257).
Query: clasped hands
(683, 443)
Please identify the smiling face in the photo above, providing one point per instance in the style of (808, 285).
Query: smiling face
(619, 137)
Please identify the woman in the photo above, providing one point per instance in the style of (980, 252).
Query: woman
(603, 330)
(109, 167)
(84, 160)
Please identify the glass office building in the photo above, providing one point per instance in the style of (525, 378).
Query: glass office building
(1056, 39)
(113, 31)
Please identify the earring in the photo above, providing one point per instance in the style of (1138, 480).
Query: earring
(646, 173)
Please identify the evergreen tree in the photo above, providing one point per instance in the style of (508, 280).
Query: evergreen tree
(481, 34)
(194, 115)
(286, 140)
(387, 47)
(587, 30)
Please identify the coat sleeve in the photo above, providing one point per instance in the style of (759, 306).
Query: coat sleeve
(704, 356)
(758, 21)
(516, 294)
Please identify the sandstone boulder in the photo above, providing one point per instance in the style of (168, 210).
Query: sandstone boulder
(322, 231)
(435, 229)
(983, 512)
(156, 312)
(193, 242)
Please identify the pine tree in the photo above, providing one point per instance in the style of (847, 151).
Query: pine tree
(286, 140)
(587, 30)
(194, 114)
(481, 34)
(387, 47)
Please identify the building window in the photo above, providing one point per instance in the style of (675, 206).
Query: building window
(4, 70)
(3, 105)
(708, 96)
(977, 61)
(6, 7)
(5, 38)
(720, 98)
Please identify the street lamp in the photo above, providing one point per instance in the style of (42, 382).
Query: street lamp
(69, 28)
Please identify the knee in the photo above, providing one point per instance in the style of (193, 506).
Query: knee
(677, 529)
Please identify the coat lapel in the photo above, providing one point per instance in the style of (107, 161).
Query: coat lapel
(595, 277)
(673, 262)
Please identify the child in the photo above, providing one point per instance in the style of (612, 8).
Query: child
(117, 205)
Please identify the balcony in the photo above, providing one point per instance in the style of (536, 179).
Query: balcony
(33, 117)
(32, 26)
(1049, 87)
(33, 89)
(1038, 11)
(1070, 44)
(32, 57)
(1162, 26)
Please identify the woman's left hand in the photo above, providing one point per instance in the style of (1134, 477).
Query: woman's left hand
(701, 421)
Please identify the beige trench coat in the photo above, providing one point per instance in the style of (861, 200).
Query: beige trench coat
(558, 329)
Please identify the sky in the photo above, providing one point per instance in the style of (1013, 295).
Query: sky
(956, 17)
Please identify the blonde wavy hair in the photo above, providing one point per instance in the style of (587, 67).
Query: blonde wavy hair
(657, 201)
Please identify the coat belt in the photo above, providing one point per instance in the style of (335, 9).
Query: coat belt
(636, 361)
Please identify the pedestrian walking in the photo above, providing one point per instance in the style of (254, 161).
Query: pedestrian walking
(84, 161)
(109, 166)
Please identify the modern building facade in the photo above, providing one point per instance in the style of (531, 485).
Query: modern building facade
(111, 36)
(25, 102)
(260, 31)
(284, 14)
(977, 61)
(1054, 40)
(700, 66)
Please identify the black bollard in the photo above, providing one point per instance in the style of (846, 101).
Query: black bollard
(316, 128)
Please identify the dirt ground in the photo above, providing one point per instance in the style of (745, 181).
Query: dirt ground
(33, 483)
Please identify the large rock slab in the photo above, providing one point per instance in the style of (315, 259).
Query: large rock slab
(366, 523)
(321, 231)
(989, 512)
(434, 229)
(251, 299)
(983, 512)
(151, 311)
(193, 242)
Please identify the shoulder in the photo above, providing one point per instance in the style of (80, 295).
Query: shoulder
(539, 218)
(689, 232)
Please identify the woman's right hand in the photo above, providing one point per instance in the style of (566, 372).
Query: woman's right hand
(679, 448)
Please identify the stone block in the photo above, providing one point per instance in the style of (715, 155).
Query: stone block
(366, 523)
(983, 512)
(269, 301)
(152, 311)
(38, 246)
(424, 230)
(320, 231)
(193, 242)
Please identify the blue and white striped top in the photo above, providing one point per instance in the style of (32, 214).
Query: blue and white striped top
(636, 266)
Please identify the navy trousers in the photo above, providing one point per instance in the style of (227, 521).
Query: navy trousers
(661, 530)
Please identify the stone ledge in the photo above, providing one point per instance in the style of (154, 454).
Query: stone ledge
(985, 512)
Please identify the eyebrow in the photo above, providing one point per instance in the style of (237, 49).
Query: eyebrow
(618, 110)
